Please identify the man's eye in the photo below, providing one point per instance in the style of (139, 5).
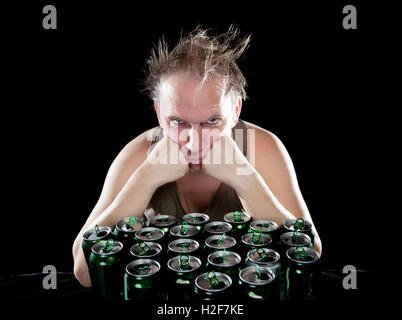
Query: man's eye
(214, 121)
(176, 121)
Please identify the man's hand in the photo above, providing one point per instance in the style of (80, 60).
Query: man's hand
(166, 162)
(225, 162)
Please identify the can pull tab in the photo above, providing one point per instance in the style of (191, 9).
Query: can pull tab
(299, 224)
(145, 269)
(184, 262)
(213, 280)
(130, 222)
(184, 227)
(256, 236)
(97, 230)
(301, 253)
(295, 236)
(266, 225)
(262, 254)
(220, 240)
(237, 216)
(196, 219)
(257, 272)
(183, 245)
(144, 247)
(108, 245)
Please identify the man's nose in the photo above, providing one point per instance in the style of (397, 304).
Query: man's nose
(194, 138)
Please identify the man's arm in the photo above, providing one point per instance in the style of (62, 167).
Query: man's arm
(127, 162)
(273, 186)
(129, 189)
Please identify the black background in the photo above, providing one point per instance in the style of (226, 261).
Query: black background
(72, 100)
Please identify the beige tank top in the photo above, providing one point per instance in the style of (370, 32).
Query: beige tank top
(165, 200)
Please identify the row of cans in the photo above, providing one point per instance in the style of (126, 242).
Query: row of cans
(199, 259)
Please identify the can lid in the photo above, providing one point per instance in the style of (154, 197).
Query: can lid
(263, 241)
(145, 249)
(236, 217)
(257, 276)
(190, 231)
(218, 227)
(183, 245)
(302, 239)
(263, 256)
(107, 247)
(163, 220)
(224, 258)
(302, 255)
(264, 225)
(304, 225)
(92, 235)
(223, 282)
(149, 234)
(196, 218)
(129, 224)
(174, 264)
(143, 268)
(220, 242)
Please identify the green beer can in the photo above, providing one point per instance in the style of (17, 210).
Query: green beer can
(239, 221)
(218, 243)
(212, 286)
(150, 234)
(265, 257)
(254, 240)
(256, 283)
(163, 221)
(182, 271)
(142, 280)
(227, 262)
(92, 236)
(147, 250)
(271, 259)
(300, 225)
(216, 228)
(198, 220)
(185, 231)
(105, 269)
(302, 274)
(125, 229)
(183, 247)
(267, 226)
(294, 239)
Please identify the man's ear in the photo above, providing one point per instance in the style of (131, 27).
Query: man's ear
(237, 110)
(156, 108)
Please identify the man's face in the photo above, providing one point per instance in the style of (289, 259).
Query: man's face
(194, 116)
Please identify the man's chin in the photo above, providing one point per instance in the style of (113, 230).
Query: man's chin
(195, 167)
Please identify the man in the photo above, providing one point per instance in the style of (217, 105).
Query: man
(195, 161)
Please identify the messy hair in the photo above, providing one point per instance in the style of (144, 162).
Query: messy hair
(202, 55)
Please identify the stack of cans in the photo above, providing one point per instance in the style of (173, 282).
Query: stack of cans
(199, 259)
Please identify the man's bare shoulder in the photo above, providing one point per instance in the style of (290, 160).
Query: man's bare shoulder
(138, 147)
(271, 155)
(133, 154)
(263, 137)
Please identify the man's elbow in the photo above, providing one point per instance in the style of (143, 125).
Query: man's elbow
(82, 275)
(80, 266)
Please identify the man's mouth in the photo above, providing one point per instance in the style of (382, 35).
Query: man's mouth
(195, 161)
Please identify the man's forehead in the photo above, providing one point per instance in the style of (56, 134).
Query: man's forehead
(177, 87)
(200, 114)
